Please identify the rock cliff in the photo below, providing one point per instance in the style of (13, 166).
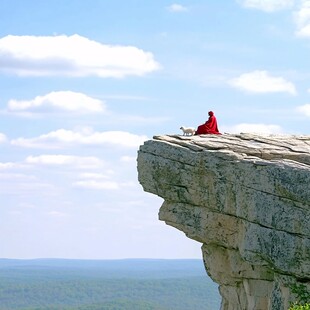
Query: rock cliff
(246, 198)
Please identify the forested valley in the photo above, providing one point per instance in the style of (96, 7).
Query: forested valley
(106, 285)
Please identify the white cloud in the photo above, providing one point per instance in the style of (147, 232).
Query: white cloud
(128, 159)
(304, 31)
(254, 128)
(8, 165)
(29, 187)
(302, 19)
(177, 8)
(2, 137)
(142, 119)
(96, 181)
(71, 56)
(304, 109)
(16, 176)
(95, 184)
(60, 137)
(65, 160)
(90, 175)
(57, 214)
(262, 82)
(58, 100)
(27, 205)
(267, 5)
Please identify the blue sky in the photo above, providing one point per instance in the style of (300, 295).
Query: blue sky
(84, 83)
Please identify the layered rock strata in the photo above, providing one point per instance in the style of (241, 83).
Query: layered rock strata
(246, 198)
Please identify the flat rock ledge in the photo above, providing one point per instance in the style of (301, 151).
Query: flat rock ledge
(246, 198)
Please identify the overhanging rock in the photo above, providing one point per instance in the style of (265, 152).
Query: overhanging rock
(246, 198)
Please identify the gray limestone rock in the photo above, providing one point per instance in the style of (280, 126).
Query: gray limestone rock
(246, 198)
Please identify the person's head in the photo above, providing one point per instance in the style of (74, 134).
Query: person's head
(210, 113)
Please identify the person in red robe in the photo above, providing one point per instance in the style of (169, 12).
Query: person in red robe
(209, 127)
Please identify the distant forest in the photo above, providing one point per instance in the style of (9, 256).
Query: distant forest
(56, 284)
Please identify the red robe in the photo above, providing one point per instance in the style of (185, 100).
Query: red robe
(209, 127)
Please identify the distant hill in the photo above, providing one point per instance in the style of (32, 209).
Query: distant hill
(146, 284)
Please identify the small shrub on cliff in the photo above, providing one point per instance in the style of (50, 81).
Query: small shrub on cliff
(303, 295)
(300, 307)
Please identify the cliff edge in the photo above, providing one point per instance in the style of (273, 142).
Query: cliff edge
(246, 198)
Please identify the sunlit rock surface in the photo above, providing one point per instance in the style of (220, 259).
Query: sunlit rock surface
(246, 198)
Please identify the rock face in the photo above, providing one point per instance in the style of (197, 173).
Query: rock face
(246, 198)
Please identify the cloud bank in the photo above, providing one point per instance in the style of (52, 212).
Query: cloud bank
(63, 137)
(262, 82)
(255, 128)
(301, 16)
(302, 19)
(267, 5)
(176, 8)
(99, 185)
(66, 101)
(2, 137)
(304, 109)
(85, 162)
(73, 56)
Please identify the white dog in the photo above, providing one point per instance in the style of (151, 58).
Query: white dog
(188, 131)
